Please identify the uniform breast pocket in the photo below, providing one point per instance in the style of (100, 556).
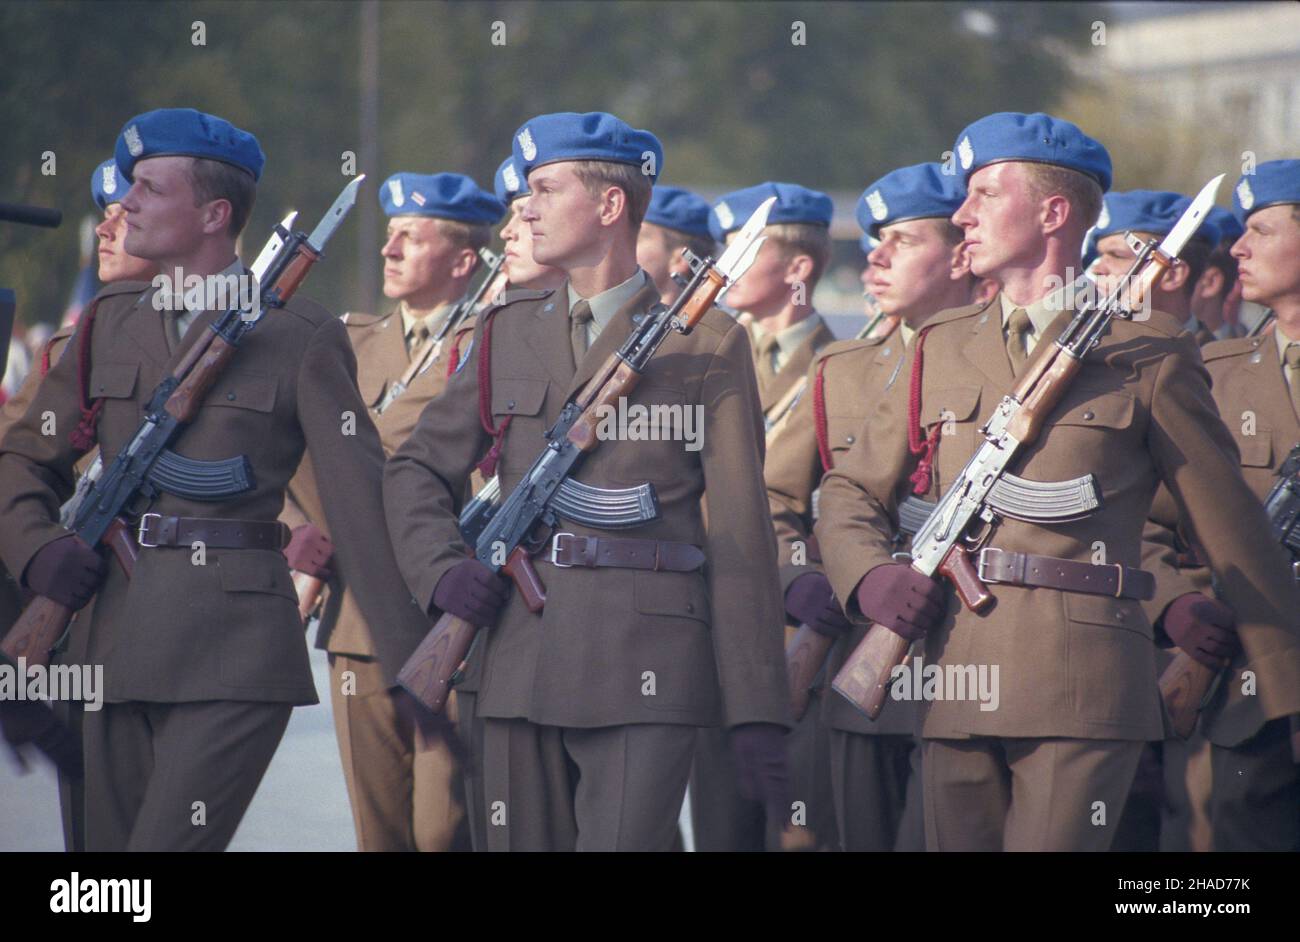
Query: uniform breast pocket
(115, 384)
(521, 400)
(1257, 449)
(653, 435)
(955, 410)
(842, 431)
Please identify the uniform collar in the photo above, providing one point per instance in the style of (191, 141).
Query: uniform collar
(1047, 308)
(1283, 341)
(789, 338)
(906, 331)
(606, 304)
(194, 299)
(410, 320)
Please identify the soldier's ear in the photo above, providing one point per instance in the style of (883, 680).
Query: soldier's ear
(216, 216)
(466, 261)
(1210, 284)
(959, 264)
(1174, 278)
(1054, 213)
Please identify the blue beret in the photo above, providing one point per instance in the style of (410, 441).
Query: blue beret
(107, 185)
(189, 133)
(867, 244)
(596, 135)
(1222, 219)
(675, 208)
(794, 203)
(1037, 138)
(509, 183)
(922, 191)
(1274, 182)
(1154, 211)
(439, 196)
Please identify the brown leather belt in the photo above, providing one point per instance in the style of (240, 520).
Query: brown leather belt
(212, 532)
(1052, 572)
(568, 550)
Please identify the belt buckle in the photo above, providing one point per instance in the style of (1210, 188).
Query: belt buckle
(555, 549)
(144, 525)
(981, 564)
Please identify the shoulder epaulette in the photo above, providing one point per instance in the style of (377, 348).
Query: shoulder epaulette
(360, 319)
(959, 313)
(1236, 346)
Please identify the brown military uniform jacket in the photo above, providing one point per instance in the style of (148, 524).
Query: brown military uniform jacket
(795, 368)
(11, 605)
(855, 374)
(227, 629)
(1254, 401)
(1140, 412)
(382, 358)
(613, 646)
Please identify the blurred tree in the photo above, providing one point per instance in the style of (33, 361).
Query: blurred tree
(829, 94)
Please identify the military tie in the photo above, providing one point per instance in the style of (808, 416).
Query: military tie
(766, 371)
(1292, 374)
(1018, 327)
(579, 318)
(419, 334)
(172, 328)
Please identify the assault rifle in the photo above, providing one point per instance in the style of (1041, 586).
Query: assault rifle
(505, 530)
(142, 469)
(965, 517)
(1187, 686)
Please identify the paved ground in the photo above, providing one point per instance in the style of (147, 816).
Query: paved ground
(302, 803)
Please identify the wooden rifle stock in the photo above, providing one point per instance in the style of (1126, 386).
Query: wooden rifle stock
(1184, 686)
(44, 621)
(427, 674)
(36, 631)
(804, 657)
(865, 677)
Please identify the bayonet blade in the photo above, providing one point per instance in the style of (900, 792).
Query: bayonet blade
(1191, 220)
(272, 247)
(334, 218)
(729, 265)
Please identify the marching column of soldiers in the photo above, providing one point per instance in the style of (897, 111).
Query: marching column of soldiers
(623, 668)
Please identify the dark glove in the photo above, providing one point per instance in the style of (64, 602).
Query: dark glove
(66, 571)
(762, 770)
(26, 722)
(811, 601)
(309, 551)
(471, 591)
(430, 727)
(900, 598)
(1203, 627)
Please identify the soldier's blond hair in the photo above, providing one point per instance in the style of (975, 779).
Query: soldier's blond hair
(797, 238)
(596, 175)
(1081, 191)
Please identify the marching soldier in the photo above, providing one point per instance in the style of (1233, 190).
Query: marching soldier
(202, 647)
(1217, 290)
(1255, 782)
(777, 292)
(776, 295)
(676, 219)
(590, 707)
(107, 187)
(1147, 214)
(917, 268)
(405, 789)
(1049, 764)
(521, 269)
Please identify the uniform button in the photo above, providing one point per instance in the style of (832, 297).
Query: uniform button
(230, 396)
(849, 439)
(1089, 415)
(690, 606)
(510, 404)
(885, 352)
(549, 308)
(1119, 616)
